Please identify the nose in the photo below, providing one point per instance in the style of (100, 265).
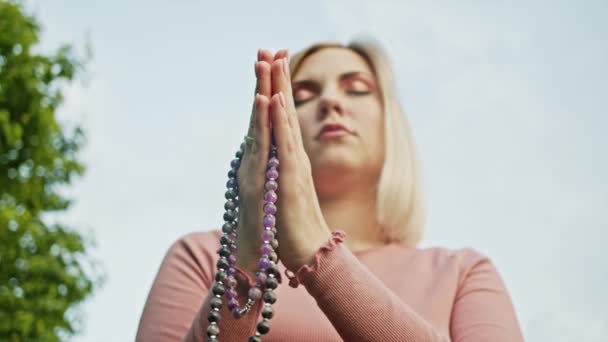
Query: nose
(328, 105)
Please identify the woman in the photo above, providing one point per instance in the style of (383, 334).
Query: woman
(348, 221)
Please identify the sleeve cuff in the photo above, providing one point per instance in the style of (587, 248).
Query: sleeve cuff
(337, 237)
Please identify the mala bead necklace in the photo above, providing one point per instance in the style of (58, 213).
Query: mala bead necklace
(266, 277)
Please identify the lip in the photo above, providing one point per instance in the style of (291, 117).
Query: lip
(332, 131)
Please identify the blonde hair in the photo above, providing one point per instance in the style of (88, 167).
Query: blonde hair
(400, 210)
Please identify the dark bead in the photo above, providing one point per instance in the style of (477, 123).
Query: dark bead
(213, 316)
(230, 205)
(274, 243)
(272, 283)
(228, 227)
(235, 163)
(224, 251)
(219, 289)
(273, 269)
(263, 327)
(267, 312)
(231, 183)
(215, 303)
(221, 276)
(242, 147)
(254, 339)
(269, 297)
(225, 240)
(273, 256)
(230, 215)
(213, 329)
(222, 263)
(239, 154)
(230, 194)
(232, 173)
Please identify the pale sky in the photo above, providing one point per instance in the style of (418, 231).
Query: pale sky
(506, 100)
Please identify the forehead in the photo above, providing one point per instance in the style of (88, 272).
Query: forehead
(330, 63)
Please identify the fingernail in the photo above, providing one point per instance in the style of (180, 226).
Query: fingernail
(259, 54)
(255, 68)
(282, 99)
(285, 66)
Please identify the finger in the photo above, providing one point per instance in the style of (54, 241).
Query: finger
(263, 87)
(281, 128)
(258, 126)
(265, 56)
(283, 53)
(261, 142)
(281, 82)
(262, 72)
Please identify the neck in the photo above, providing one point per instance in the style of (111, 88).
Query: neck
(353, 210)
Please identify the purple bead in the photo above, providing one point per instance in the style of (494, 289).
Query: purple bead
(233, 248)
(231, 271)
(266, 249)
(236, 313)
(271, 185)
(235, 163)
(231, 259)
(267, 235)
(269, 221)
(272, 174)
(231, 281)
(273, 162)
(264, 263)
(261, 277)
(270, 208)
(255, 293)
(231, 293)
(233, 303)
(270, 196)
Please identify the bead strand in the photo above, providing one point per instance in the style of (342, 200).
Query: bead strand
(266, 277)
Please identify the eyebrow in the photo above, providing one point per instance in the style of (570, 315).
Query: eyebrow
(341, 78)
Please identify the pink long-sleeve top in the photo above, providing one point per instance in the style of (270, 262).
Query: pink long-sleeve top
(392, 293)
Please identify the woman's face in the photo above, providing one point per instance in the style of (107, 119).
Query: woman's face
(336, 87)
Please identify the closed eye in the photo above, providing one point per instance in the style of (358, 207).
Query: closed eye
(303, 94)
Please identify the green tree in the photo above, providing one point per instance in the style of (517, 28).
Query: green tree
(46, 269)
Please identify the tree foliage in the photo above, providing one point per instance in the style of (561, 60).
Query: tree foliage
(45, 268)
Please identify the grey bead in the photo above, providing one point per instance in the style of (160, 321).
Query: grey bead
(228, 227)
(270, 297)
(231, 183)
(232, 173)
(225, 240)
(213, 329)
(274, 243)
(230, 215)
(254, 339)
(272, 283)
(273, 256)
(219, 289)
(263, 327)
(273, 269)
(223, 263)
(230, 194)
(239, 154)
(267, 312)
(221, 276)
(230, 205)
(213, 316)
(224, 251)
(215, 303)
